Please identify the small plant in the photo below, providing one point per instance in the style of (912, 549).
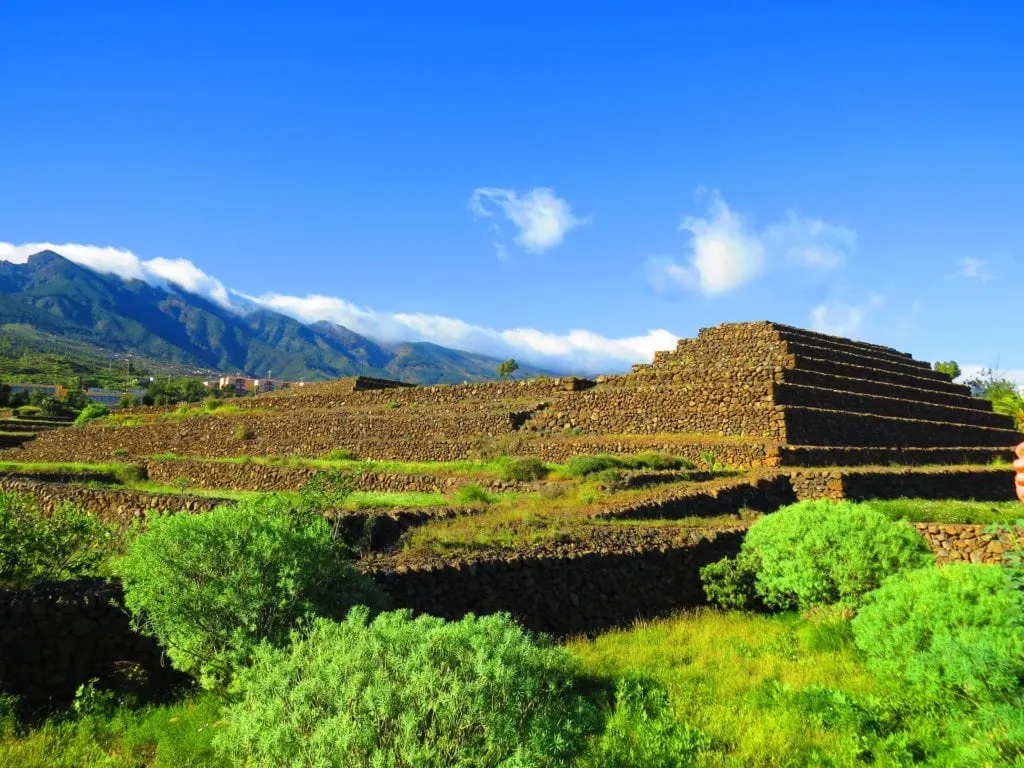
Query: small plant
(643, 732)
(164, 457)
(130, 474)
(244, 432)
(211, 587)
(524, 470)
(182, 483)
(393, 404)
(472, 494)
(959, 628)
(731, 582)
(339, 454)
(573, 432)
(120, 453)
(403, 691)
(611, 479)
(91, 412)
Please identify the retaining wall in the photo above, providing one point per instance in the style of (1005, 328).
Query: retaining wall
(54, 637)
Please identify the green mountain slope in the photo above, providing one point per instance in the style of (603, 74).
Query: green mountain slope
(65, 302)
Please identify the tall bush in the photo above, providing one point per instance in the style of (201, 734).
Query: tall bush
(959, 628)
(821, 553)
(403, 693)
(211, 587)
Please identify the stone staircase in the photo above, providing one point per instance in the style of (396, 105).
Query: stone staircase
(846, 403)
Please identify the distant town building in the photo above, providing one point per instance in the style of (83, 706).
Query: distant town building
(54, 390)
(246, 384)
(112, 396)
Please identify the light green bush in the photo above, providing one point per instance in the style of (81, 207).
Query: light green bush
(822, 553)
(582, 466)
(92, 411)
(524, 470)
(34, 547)
(410, 693)
(211, 587)
(473, 494)
(959, 628)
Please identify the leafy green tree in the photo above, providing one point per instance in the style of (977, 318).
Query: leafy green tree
(408, 692)
(956, 629)
(75, 400)
(5, 395)
(127, 401)
(950, 368)
(1005, 396)
(211, 587)
(507, 368)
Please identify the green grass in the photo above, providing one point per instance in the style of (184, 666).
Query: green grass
(775, 691)
(950, 510)
(17, 434)
(67, 467)
(174, 736)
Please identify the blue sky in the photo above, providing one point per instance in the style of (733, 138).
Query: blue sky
(497, 177)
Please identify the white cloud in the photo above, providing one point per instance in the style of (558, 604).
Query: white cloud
(811, 242)
(577, 351)
(125, 264)
(841, 319)
(725, 253)
(974, 268)
(541, 218)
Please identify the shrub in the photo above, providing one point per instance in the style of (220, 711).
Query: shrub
(210, 587)
(582, 466)
(92, 411)
(643, 732)
(129, 474)
(404, 692)
(732, 581)
(120, 453)
(244, 432)
(25, 411)
(524, 470)
(473, 494)
(339, 454)
(35, 547)
(959, 628)
(822, 552)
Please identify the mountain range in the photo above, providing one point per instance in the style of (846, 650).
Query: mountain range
(67, 302)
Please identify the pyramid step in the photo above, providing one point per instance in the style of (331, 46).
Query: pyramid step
(882, 389)
(826, 456)
(953, 483)
(811, 363)
(818, 426)
(837, 355)
(782, 328)
(854, 347)
(833, 400)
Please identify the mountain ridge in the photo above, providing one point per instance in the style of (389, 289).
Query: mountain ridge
(73, 302)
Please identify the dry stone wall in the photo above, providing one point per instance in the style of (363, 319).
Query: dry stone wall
(965, 543)
(254, 476)
(55, 637)
(564, 589)
(119, 507)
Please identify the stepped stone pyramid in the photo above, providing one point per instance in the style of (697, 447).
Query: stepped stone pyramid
(830, 400)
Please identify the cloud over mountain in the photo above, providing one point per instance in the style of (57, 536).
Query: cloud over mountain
(577, 350)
